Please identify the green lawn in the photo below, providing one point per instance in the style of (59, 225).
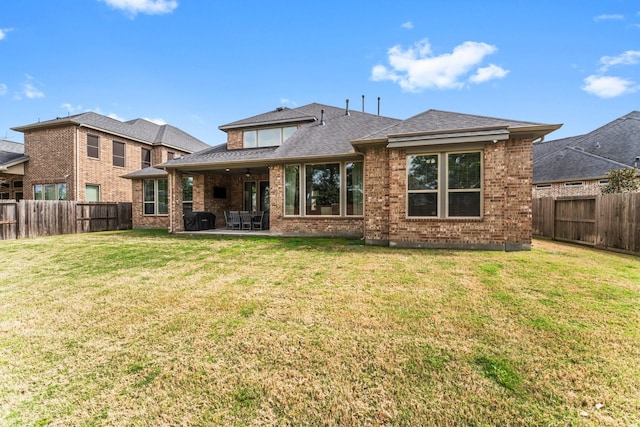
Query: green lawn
(144, 328)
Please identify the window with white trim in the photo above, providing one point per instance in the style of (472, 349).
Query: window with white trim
(324, 189)
(156, 196)
(270, 137)
(50, 191)
(118, 154)
(444, 185)
(92, 193)
(93, 146)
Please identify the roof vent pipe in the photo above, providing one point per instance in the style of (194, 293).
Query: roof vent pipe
(635, 164)
(346, 113)
(322, 117)
(363, 103)
(378, 105)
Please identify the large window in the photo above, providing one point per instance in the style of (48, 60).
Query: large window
(156, 196)
(146, 158)
(267, 137)
(324, 189)
(444, 185)
(93, 146)
(118, 154)
(50, 191)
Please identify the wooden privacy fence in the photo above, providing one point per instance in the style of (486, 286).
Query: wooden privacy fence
(608, 221)
(33, 218)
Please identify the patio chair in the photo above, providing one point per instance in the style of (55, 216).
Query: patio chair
(233, 220)
(245, 219)
(256, 220)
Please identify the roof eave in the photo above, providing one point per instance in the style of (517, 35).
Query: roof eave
(267, 123)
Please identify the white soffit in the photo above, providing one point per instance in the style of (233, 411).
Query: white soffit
(424, 140)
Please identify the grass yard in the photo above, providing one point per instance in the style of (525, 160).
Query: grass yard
(142, 328)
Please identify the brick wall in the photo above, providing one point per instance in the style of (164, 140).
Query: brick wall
(51, 159)
(506, 210)
(235, 140)
(558, 189)
(54, 152)
(378, 189)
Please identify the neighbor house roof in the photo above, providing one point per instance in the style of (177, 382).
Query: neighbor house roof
(11, 153)
(149, 172)
(320, 134)
(138, 129)
(613, 146)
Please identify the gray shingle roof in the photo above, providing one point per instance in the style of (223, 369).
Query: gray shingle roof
(138, 129)
(436, 120)
(279, 115)
(589, 156)
(11, 153)
(312, 139)
(146, 173)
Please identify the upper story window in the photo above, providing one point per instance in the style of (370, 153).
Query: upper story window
(93, 146)
(444, 185)
(146, 158)
(118, 153)
(271, 137)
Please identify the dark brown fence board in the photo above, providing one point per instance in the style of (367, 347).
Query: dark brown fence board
(33, 218)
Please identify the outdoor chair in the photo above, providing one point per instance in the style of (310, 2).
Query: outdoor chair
(245, 219)
(256, 220)
(233, 220)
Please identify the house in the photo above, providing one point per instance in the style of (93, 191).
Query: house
(83, 157)
(12, 160)
(436, 180)
(578, 166)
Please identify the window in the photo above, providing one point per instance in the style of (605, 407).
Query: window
(118, 153)
(156, 196)
(187, 194)
(50, 191)
(444, 185)
(543, 186)
(250, 196)
(573, 184)
(93, 146)
(146, 158)
(324, 189)
(92, 193)
(267, 137)
(600, 182)
(292, 190)
(17, 184)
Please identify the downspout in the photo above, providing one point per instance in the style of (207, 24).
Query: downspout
(171, 203)
(76, 169)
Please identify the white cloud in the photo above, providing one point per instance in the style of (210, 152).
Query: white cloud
(30, 90)
(608, 87)
(150, 7)
(416, 68)
(609, 17)
(4, 31)
(156, 121)
(115, 116)
(629, 57)
(407, 25)
(285, 101)
(3, 89)
(70, 108)
(485, 74)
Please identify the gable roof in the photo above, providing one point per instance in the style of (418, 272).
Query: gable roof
(590, 156)
(312, 139)
(138, 129)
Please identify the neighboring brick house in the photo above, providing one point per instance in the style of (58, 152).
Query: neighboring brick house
(83, 157)
(12, 161)
(578, 166)
(435, 180)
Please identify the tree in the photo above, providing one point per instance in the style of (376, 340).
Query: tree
(625, 180)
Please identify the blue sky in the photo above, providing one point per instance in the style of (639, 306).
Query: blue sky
(200, 64)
